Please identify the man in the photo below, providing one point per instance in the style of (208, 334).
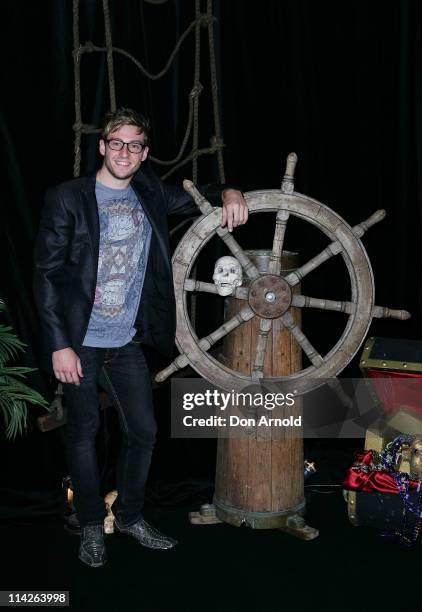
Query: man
(103, 287)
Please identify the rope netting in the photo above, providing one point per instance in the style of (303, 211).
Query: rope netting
(202, 20)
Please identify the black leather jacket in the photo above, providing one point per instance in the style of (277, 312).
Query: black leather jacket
(66, 261)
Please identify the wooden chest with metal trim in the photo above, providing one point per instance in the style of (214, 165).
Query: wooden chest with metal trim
(393, 370)
(376, 509)
(391, 354)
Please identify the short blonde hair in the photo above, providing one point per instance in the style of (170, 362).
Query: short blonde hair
(114, 120)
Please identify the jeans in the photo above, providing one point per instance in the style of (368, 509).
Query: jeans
(124, 374)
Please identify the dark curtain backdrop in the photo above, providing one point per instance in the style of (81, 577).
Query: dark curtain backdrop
(337, 82)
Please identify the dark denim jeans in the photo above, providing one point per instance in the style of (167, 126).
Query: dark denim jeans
(124, 374)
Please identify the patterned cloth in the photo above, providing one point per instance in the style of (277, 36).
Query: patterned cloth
(125, 236)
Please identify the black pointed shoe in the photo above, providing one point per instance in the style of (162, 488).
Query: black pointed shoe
(92, 548)
(146, 535)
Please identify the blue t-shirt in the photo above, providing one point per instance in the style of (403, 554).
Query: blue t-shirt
(125, 236)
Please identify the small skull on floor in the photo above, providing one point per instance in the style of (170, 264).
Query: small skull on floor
(109, 519)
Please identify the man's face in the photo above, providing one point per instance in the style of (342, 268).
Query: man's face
(123, 164)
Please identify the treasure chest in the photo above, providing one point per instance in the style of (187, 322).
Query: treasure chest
(380, 495)
(392, 368)
(382, 488)
(382, 511)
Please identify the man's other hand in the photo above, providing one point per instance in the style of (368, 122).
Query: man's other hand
(67, 366)
(235, 210)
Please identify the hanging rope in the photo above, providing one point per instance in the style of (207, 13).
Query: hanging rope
(197, 89)
(202, 20)
(110, 68)
(77, 78)
(89, 47)
(217, 141)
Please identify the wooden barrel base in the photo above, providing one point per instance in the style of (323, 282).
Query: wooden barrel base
(256, 520)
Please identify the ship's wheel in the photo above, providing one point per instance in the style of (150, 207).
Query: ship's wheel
(270, 295)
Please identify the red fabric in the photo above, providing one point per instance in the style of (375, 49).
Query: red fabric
(400, 390)
(359, 480)
(392, 374)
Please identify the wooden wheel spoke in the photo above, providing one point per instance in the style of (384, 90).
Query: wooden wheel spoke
(304, 301)
(204, 206)
(278, 241)
(381, 312)
(241, 293)
(250, 269)
(241, 317)
(295, 277)
(207, 342)
(312, 354)
(335, 386)
(265, 326)
(177, 364)
(332, 249)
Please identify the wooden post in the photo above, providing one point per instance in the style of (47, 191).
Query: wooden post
(259, 477)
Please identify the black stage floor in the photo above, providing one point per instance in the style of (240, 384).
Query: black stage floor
(223, 568)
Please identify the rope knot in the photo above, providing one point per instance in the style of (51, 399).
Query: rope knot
(85, 128)
(216, 143)
(89, 46)
(196, 91)
(206, 20)
(76, 53)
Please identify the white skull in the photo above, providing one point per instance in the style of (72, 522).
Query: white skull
(227, 275)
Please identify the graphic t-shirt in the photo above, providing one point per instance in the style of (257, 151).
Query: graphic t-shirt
(125, 236)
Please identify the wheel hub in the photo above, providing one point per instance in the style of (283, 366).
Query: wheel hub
(270, 296)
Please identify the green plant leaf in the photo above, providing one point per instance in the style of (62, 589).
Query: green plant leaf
(10, 345)
(15, 394)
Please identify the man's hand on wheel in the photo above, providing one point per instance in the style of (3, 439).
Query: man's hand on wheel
(67, 366)
(235, 210)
